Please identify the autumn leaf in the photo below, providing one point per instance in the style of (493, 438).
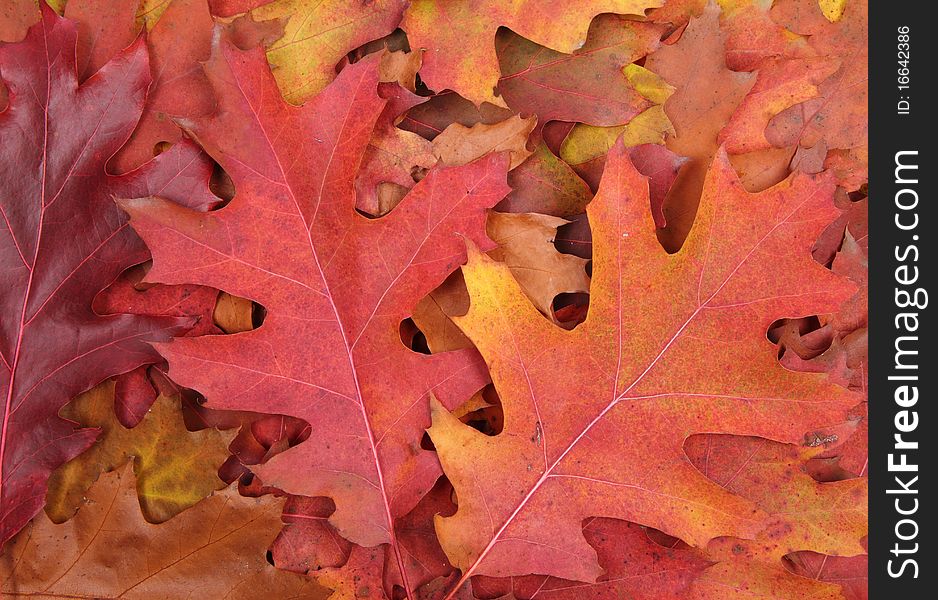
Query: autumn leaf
(458, 38)
(134, 392)
(836, 121)
(587, 86)
(174, 468)
(647, 379)
(16, 18)
(195, 553)
(459, 145)
(730, 581)
(781, 84)
(828, 518)
(635, 567)
(752, 36)
(545, 184)
(432, 117)
(104, 29)
(432, 315)
(849, 573)
(707, 96)
(586, 144)
(396, 159)
(54, 346)
(294, 169)
(318, 34)
(609, 443)
(179, 87)
(526, 244)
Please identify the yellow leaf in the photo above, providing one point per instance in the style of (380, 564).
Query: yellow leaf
(175, 468)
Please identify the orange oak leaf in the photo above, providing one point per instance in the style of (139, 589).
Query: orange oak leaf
(64, 240)
(741, 580)
(674, 344)
(781, 83)
(526, 244)
(432, 315)
(458, 144)
(458, 37)
(707, 94)
(329, 350)
(215, 549)
(829, 518)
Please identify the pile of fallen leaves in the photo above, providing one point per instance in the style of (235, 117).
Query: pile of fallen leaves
(438, 299)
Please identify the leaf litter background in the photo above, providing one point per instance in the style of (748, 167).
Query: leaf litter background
(462, 299)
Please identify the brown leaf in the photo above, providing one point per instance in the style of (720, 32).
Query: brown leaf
(460, 145)
(526, 244)
(707, 95)
(216, 549)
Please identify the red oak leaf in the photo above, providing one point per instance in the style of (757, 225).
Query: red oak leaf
(635, 567)
(587, 86)
(179, 86)
(329, 350)
(64, 240)
(673, 344)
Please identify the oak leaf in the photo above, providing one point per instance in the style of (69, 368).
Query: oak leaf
(526, 244)
(318, 34)
(748, 581)
(850, 573)
(837, 119)
(635, 567)
(179, 88)
(752, 36)
(545, 184)
(458, 37)
(432, 315)
(196, 554)
(459, 145)
(134, 392)
(828, 518)
(706, 97)
(660, 325)
(395, 157)
(431, 118)
(174, 468)
(587, 86)
(781, 84)
(366, 396)
(104, 29)
(64, 241)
